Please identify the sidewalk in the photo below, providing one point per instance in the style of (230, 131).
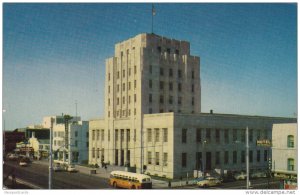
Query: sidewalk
(105, 173)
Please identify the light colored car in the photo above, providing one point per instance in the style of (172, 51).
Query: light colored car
(71, 168)
(240, 176)
(12, 156)
(258, 174)
(208, 182)
(23, 163)
(57, 167)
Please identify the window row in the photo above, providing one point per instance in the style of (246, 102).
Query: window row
(206, 135)
(123, 113)
(96, 153)
(129, 73)
(217, 157)
(154, 158)
(156, 134)
(118, 133)
(162, 86)
(123, 100)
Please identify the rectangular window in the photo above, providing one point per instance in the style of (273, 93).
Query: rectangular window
(122, 135)
(123, 87)
(129, 86)
(93, 135)
(149, 156)
(156, 158)
(116, 134)
(134, 135)
(171, 86)
(165, 134)
(149, 135)
(161, 85)
(159, 49)
(134, 83)
(198, 160)
(183, 159)
(184, 135)
(161, 99)
(250, 135)
(179, 74)
(123, 73)
(129, 99)
(93, 153)
(129, 71)
(161, 70)
(218, 135)
(165, 159)
(198, 135)
(98, 153)
(102, 134)
(217, 158)
(128, 135)
(250, 156)
(118, 74)
(243, 135)
(193, 75)
(170, 99)
(156, 135)
(108, 89)
(226, 157)
(208, 135)
(226, 136)
(291, 164)
(179, 86)
(234, 135)
(243, 156)
(179, 100)
(258, 155)
(170, 72)
(265, 155)
(234, 157)
(258, 134)
(150, 98)
(134, 97)
(150, 84)
(76, 133)
(135, 70)
(168, 50)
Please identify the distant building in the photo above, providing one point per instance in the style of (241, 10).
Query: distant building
(285, 150)
(38, 132)
(40, 147)
(153, 121)
(10, 139)
(76, 139)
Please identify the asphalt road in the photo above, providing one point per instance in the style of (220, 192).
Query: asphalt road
(38, 175)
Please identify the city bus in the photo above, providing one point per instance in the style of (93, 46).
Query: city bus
(123, 179)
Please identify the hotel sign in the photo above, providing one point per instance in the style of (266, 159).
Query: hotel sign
(264, 142)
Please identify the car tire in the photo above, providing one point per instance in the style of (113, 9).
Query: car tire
(133, 187)
(115, 185)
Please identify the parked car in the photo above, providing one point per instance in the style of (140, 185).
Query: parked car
(23, 163)
(71, 168)
(240, 176)
(12, 156)
(208, 182)
(57, 167)
(258, 174)
(195, 181)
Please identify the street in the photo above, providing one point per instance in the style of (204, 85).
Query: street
(38, 175)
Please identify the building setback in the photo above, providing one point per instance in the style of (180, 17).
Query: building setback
(153, 121)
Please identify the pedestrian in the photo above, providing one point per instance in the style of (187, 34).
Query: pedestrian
(169, 184)
(105, 166)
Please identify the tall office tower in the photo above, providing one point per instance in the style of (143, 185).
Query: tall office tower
(152, 74)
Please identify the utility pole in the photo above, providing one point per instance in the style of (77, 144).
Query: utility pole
(50, 154)
(247, 156)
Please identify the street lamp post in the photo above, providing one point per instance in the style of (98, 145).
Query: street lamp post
(247, 156)
(50, 155)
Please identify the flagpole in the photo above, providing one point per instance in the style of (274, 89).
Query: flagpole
(152, 12)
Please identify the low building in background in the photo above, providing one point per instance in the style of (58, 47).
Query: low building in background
(69, 135)
(10, 139)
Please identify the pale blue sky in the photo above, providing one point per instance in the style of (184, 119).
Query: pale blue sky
(54, 54)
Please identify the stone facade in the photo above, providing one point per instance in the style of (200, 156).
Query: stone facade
(153, 121)
(284, 150)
